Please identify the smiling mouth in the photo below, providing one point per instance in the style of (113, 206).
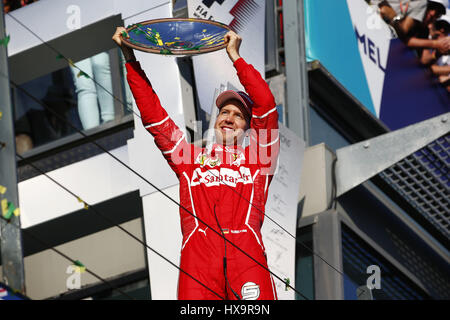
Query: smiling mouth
(227, 129)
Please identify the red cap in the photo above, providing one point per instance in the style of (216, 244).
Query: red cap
(238, 95)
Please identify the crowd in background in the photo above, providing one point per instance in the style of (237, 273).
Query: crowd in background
(63, 91)
(424, 26)
(10, 5)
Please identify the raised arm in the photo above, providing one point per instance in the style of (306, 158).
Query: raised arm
(128, 53)
(442, 45)
(168, 137)
(264, 123)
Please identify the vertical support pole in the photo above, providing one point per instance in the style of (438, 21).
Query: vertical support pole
(328, 283)
(10, 235)
(297, 87)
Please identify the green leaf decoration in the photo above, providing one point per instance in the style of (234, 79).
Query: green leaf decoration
(198, 47)
(82, 74)
(287, 282)
(8, 214)
(151, 39)
(137, 31)
(5, 41)
(78, 263)
(165, 51)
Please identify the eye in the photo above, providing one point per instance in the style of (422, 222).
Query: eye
(239, 115)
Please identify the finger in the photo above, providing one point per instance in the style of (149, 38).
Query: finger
(120, 30)
(116, 34)
(231, 35)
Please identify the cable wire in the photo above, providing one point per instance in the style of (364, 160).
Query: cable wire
(119, 226)
(47, 246)
(91, 140)
(138, 115)
(128, 108)
(225, 258)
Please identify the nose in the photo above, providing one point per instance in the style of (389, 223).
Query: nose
(229, 119)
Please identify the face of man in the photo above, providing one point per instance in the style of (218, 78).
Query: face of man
(436, 34)
(231, 124)
(439, 29)
(432, 14)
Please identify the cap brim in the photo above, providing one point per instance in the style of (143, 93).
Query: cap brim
(228, 95)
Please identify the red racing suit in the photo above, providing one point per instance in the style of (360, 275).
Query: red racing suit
(226, 189)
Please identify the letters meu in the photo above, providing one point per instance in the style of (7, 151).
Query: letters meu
(370, 49)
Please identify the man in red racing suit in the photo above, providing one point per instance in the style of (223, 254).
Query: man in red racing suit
(225, 188)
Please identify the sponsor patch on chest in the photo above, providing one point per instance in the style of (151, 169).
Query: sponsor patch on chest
(218, 176)
(227, 156)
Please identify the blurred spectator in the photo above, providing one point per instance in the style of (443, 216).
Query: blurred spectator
(411, 20)
(405, 13)
(10, 5)
(23, 143)
(440, 64)
(95, 102)
(35, 124)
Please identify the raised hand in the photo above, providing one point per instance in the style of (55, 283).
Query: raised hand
(233, 42)
(117, 38)
(443, 45)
